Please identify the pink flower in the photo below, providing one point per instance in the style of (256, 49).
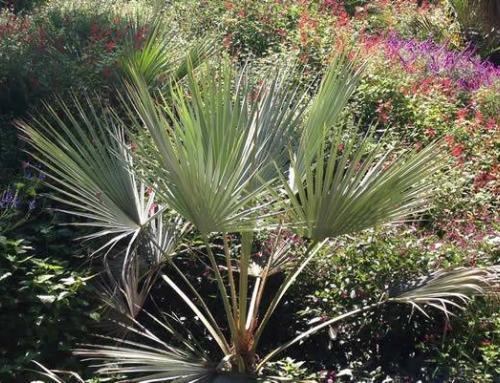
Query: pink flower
(491, 124)
(485, 342)
(450, 140)
(429, 132)
(462, 113)
(107, 72)
(153, 208)
(482, 179)
(457, 150)
(110, 46)
(228, 5)
(281, 32)
(478, 117)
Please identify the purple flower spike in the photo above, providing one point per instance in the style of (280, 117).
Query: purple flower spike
(465, 68)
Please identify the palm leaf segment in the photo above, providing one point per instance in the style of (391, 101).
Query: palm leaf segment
(158, 60)
(86, 158)
(445, 289)
(340, 182)
(145, 357)
(215, 146)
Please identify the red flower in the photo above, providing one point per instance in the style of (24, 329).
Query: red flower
(462, 113)
(383, 111)
(42, 36)
(429, 132)
(479, 117)
(450, 140)
(95, 32)
(110, 46)
(457, 150)
(483, 178)
(227, 41)
(140, 36)
(486, 342)
(281, 32)
(447, 327)
(491, 124)
(107, 72)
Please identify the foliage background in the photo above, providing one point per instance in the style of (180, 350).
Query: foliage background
(423, 80)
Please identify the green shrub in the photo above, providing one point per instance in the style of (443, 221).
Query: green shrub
(356, 272)
(43, 311)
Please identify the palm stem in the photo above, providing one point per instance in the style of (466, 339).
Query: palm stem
(220, 341)
(200, 300)
(221, 286)
(246, 248)
(311, 251)
(252, 311)
(230, 274)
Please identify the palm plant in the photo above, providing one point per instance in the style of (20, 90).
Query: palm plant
(230, 159)
(480, 23)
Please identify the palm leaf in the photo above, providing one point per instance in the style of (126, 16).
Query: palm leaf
(129, 284)
(340, 182)
(160, 58)
(147, 358)
(86, 160)
(337, 86)
(352, 187)
(51, 374)
(444, 290)
(441, 290)
(214, 145)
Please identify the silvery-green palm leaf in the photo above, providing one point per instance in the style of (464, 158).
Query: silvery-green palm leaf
(444, 290)
(85, 158)
(131, 276)
(145, 357)
(352, 185)
(214, 143)
(52, 374)
(160, 60)
(340, 181)
(325, 111)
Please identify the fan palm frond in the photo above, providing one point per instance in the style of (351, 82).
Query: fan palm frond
(85, 157)
(52, 374)
(325, 111)
(352, 187)
(444, 290)
(441, 290)
(214, 145)
(338, 183)
(158, 58)
(127, 290)
(276, 258)
(147, 358)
